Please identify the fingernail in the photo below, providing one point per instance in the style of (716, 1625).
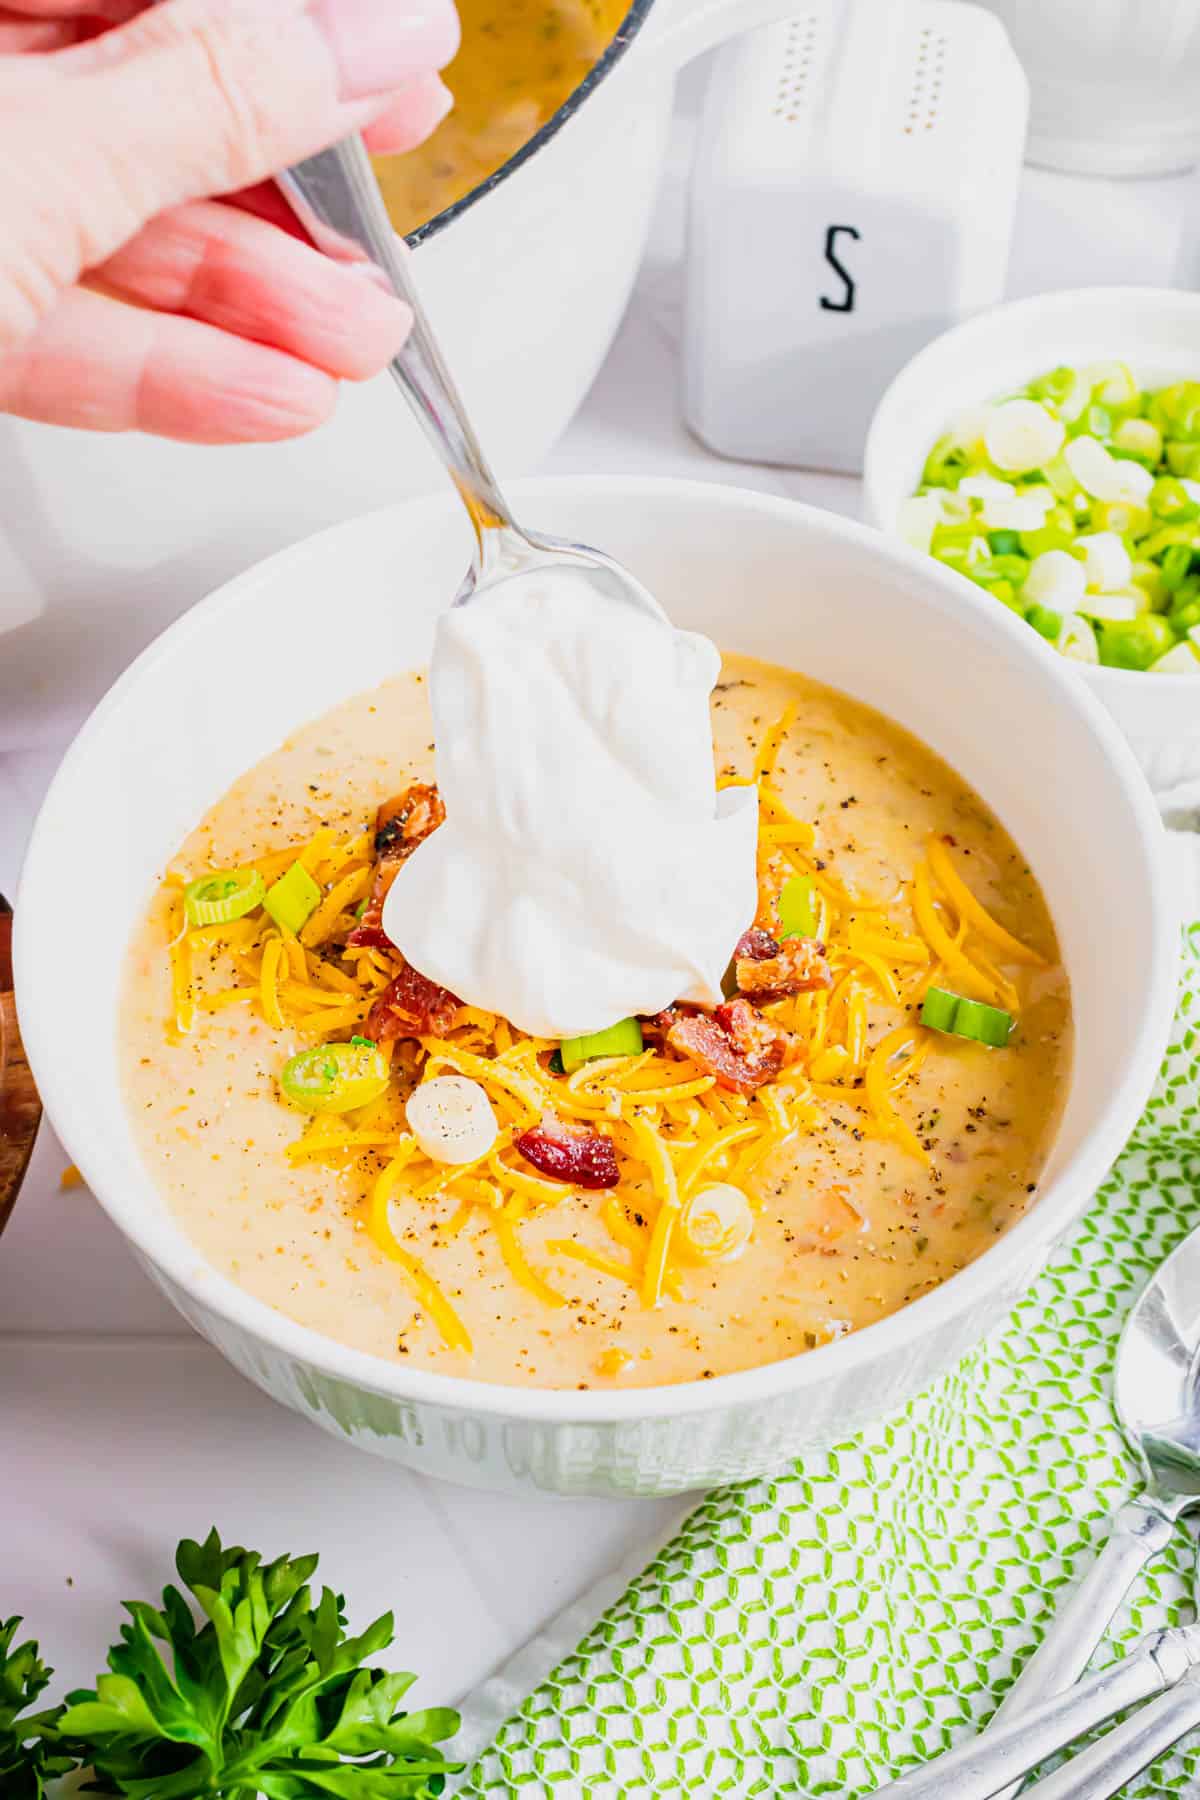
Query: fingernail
(425, 102)
(379, 46)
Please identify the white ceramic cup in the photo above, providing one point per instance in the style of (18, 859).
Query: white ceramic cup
(1114, 82)
(1157, 332)
(316, 624)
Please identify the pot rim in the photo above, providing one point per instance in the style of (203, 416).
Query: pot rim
(1004, 1266)
(626, 32)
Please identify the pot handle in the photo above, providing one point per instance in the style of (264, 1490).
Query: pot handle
(678, 30)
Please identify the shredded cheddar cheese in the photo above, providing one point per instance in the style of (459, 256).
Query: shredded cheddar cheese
(854, 1048)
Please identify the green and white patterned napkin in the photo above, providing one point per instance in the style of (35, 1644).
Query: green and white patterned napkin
(817, 1633)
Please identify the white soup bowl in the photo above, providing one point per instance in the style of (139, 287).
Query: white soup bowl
(335, 615)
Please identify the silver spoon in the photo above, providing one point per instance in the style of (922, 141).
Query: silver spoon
(1158, 1408)
(336, 198)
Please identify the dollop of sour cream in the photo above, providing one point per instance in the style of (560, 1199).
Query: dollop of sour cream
(588, 869)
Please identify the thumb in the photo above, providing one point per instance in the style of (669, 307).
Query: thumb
(191, 98)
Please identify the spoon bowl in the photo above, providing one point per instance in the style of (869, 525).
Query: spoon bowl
(1157, 1400)
(1157, 1392)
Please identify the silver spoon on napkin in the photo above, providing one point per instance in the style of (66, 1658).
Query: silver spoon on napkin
(1158, 1407)
(336, 198)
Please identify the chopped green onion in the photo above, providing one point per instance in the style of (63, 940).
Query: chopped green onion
(1183, 619)
(1138, 437)
(1077, 639)
(1176, 565)
(368, 1043)
(219, 899)
(622, 1039)
(1170, 500)
(1077, 496)
(335, 1078)
(292, 899)
(1183, 659)
(798, 908)
(1003, 568)
(1066, 390)
(957, 1016)
(1136, 643)
(939, 1009)
(1045, 621)
(1183, 459)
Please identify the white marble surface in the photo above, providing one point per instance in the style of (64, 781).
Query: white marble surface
(122, 1432)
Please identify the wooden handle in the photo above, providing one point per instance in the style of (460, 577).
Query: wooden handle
(20, 1108)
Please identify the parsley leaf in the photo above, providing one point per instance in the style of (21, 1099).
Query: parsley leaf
(27, 1758)
(267, 1696)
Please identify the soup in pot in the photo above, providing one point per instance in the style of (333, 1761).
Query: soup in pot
(519, 60)
(716, 1189)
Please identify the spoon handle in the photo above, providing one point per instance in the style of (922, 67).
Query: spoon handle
(1137, 1533)
(1105, 1767)
(336, 198)
(985, 1765)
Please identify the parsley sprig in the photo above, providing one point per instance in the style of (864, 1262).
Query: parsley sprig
(266, 1696)
(27, 1758)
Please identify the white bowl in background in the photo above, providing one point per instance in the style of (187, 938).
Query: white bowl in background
(761, 575)
(1157, 332)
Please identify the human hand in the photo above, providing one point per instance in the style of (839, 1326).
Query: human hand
(129, 299)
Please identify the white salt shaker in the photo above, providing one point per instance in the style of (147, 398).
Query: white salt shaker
(853, 195)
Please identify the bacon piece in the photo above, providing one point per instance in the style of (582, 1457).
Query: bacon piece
(411, 1006)
(755, 945)
(735, 1043)
(797, 966)
(586, 1159)
(401, 823)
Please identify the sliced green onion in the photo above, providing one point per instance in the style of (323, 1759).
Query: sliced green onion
(1170, 500)
(335, 1078)
(1077, 639)
(1112, 384)
(939, 1009)
(798, 908)
(1106, 608)
(219, 899)
(1003, 568)
(1045, 621)
(622, 1039)
(917, 520)
(957, 1016)
(1184, 619)
(292, 899)
(1176, 565)
(1138, 437)
(1183, 459)
(1066, 390)
(1077, 499)
(1183, 659)
(1137, 643)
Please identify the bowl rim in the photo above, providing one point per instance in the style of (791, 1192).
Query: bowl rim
(1062, 302)
(1017, 1252)
(631, 23)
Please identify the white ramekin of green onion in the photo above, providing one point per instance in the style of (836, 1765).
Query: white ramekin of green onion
(1049, 452)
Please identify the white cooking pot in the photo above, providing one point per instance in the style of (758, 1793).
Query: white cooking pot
(526, 280)
(763, 576)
